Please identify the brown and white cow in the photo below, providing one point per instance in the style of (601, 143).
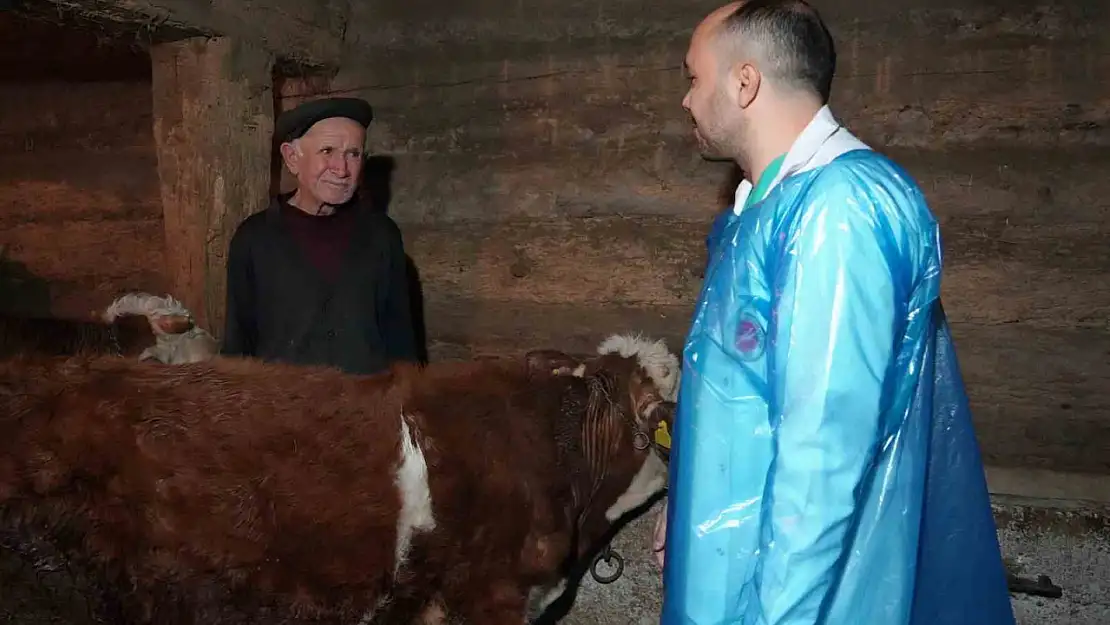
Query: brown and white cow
(135, 325)
(236, 491)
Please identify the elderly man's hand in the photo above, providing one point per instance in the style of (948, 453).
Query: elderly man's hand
(659, 541)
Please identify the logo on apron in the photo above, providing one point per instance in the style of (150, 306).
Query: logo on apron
(750, 337)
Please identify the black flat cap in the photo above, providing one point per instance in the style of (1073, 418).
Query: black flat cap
(292, 124)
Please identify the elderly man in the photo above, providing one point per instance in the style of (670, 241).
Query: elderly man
(319, 277)
(824, 468)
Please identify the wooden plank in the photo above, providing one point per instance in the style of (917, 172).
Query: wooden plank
(1009, 256)
(213, 125)
(426, 23)
(533, 125)
(91, 116)
(73, 267)
(61, 186)
(659, 262)
(310, 32)
(88, 249)
(1038, 394)
(1008, 76)
(494, 185)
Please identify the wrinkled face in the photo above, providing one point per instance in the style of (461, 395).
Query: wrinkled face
(718, 119)
(327, 160)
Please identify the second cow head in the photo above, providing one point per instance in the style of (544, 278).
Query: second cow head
(629, 387)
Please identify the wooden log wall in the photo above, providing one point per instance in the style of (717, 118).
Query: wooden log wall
(550, 192)
(79, 205)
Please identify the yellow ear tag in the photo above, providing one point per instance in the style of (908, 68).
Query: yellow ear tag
(663, 435)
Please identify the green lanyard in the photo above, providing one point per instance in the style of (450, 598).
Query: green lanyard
(764, 184)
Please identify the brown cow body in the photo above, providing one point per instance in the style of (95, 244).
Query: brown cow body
(234, 491)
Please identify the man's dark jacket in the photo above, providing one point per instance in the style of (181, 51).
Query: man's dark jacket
(279, 307)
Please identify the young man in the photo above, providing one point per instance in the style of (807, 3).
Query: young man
(319, 277)
(824, 469)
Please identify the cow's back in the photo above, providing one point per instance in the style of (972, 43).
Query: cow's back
(273, 476)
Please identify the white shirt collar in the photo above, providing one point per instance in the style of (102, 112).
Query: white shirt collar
(822, 140)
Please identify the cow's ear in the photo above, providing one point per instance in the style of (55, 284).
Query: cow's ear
(553, 362)
(172, 324)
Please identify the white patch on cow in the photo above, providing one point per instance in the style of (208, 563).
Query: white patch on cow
(416, 494)
(579, 371)
(648, 481)
(540, 597)
(368, 617)
(193, 345)
(653, 356)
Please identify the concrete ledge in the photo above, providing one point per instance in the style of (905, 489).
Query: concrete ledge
(1067, 540)
(1043, 484)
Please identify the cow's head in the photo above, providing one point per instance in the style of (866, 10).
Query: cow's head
(178, 340)
(627, 389)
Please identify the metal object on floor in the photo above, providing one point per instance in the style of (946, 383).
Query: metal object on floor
(608, 555)
(1041, 587)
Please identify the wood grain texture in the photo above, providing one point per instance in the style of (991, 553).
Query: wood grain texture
(1010, 74)
(80, 212)
(213, 121)
(309, 32)
(659, 262)
(1023, 240)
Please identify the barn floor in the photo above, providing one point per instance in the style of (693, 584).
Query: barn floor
(1067, 540)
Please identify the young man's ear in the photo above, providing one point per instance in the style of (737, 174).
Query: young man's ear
(743, 82)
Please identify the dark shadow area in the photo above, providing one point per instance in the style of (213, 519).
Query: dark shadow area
(561, 607)
(727, 192)
(377, 190)
(39, 49)
(726, 195)
(81, 41)
(22, 293)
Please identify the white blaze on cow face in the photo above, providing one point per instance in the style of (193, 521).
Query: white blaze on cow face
(663, 368)
(416, 495)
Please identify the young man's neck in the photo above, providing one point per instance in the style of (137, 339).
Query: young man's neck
(773, 137)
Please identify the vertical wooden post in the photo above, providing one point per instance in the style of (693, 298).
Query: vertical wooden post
(213, 131)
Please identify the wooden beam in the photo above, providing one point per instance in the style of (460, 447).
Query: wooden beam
(213, 126)
(310, 33)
